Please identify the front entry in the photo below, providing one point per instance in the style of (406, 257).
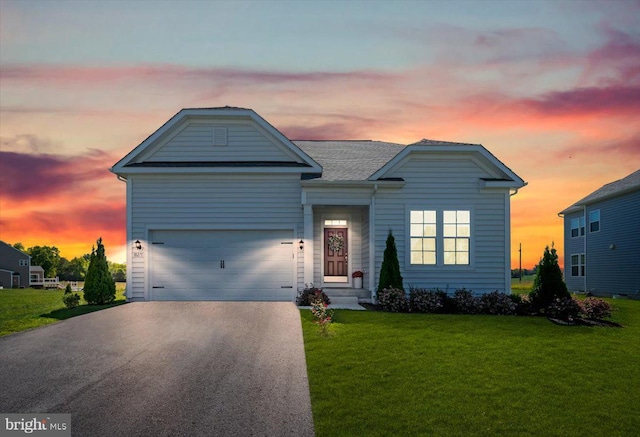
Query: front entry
(336, 256)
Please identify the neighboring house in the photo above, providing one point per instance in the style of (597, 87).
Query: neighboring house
(16, 270)
(14, 267)
(222, 206)
(602, 240)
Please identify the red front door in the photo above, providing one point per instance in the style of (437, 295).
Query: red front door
(335, 252)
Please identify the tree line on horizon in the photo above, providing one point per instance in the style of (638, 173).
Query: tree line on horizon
(48, 257)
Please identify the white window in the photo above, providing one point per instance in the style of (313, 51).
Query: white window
(23, 262)
(577, 227)
(335, 223)
(457, 235)
(440, 237)
(577, 264)
(594, 221)
(423, 237)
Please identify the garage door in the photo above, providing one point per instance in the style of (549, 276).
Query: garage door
(221, 265)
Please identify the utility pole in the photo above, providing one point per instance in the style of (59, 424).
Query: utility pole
(520, 250)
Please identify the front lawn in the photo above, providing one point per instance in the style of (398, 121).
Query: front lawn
(27, 308)
(384, 374)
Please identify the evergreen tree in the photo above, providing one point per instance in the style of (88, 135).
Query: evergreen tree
(548, 284)
(390, 270)
(99, 287)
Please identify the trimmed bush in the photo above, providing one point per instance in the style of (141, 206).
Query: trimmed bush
(424, 301)
(548, 284)
(309, 294)
(99, 287)
(390, 276)
(464, 302)
(70, 300)
(596, 308)
(565, 308)
(393, 300)
(497, 303)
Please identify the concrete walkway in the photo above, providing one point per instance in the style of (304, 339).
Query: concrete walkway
(165, 369)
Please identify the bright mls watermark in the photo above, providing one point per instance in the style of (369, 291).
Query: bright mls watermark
(39, 424)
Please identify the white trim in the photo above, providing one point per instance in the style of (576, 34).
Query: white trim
(372, 245)
(507, 242)
(308, 244)
(128, 292)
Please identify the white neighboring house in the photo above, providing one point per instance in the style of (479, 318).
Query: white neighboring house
(222, 206)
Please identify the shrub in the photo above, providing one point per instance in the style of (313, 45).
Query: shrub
(309, 294)
(424, 301)
(393, 300)
(596, 308)
(548, 284)
(323, 316)
(390, 276)
(565, 308)
(70, 300)
(464, 302)
(497, 303)
(99, 287)
(523, 304)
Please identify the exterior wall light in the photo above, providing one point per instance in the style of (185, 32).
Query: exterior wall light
(138, 245)
(301, 243)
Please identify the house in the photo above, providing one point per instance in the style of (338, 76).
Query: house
(602, 240)
(14, 267)
(222, 206)
(16, 270)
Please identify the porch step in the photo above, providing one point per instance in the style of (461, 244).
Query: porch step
(359, 293)
(339, 301)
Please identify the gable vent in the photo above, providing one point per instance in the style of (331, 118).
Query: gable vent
(219, 136)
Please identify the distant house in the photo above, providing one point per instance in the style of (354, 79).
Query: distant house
(14, 267)
(602, 240)
(222, 206)
(16, 270)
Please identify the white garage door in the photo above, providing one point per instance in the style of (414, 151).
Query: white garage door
(221, 265)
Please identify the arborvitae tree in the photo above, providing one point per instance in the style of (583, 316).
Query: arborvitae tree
(548, 284)
(390, 270)
(99, 287)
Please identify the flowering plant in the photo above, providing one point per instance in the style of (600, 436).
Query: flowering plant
(322, 315)
(357, 274)
(336, 243)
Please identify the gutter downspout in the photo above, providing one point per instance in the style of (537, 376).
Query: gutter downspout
(372, 244)
(586, 231)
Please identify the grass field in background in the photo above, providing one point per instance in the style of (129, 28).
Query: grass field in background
(384, 374)
(27, 308)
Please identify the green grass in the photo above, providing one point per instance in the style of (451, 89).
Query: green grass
(383, 374)
(22, 309)
(523, 287)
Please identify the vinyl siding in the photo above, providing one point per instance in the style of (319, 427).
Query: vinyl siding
(615, 270)
(256, 201)
(446, 184)
(194, 142)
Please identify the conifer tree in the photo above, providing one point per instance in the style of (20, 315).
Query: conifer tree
(548, 284)
(390, 276)
(99, 287)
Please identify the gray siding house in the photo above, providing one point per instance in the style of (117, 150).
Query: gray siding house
(602, 240)
(14, 267)
(222, 206)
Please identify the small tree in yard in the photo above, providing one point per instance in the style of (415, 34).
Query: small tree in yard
(71, 300)
(548, 284)
(390, 276)
(99, 287)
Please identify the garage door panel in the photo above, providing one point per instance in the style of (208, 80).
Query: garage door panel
(186, 265)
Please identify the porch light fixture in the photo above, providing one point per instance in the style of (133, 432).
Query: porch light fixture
(301, 244)
(138, 245)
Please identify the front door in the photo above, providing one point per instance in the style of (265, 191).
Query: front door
(335, 255)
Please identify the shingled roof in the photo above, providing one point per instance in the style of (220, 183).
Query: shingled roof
(624, 185)
(350, 160)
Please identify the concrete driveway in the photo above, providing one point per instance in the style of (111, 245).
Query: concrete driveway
(165, 369)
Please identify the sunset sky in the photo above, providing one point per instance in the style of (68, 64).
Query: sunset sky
(552, 88)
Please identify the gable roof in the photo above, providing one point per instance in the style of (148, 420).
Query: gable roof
(7, 245)
(128, 164)
(627, 184)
